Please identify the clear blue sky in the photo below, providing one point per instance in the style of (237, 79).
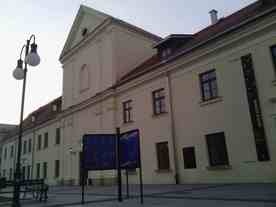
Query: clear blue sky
(50, 21)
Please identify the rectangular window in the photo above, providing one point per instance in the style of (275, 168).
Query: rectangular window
(255, 108)
(189, 157)
(127, 108)
(45, 140)
(273, 55)
(25, 147)
(217, 149)
(37, 170)
(208, 85)
(28, 172)
(5, 153)
(12, 151)
(45, 170)
(30, 145)
(158, 99)
(56, 168)
(39, 140)
(163, 156)
(4, 173)
(57, 136)
(11, 174)
(23, 172)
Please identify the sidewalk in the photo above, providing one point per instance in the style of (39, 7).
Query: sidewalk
(236, 195)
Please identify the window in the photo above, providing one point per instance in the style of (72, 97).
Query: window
(11, 174)
(255, 108)
(84, 78)
(273, 55)
(217, 149)
(25, 147)
(84, 32)
(39, 140)
(158, 98)
(45, 140)
(57, 135)
(4, 173)
(189, 157)
(5, 153)
(45, 170)
(12, 151)
(127, 108)
(37, 170)
(56, 168)
(30, 145)
(28, 172)
(23, 172)
(163, 156)
(208, 84)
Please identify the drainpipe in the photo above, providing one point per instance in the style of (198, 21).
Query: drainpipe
(175, 158)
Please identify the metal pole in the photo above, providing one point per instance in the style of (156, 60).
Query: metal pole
(17, 175)
(140, 173)
(119, 174)
(82, 173)
(127, 188)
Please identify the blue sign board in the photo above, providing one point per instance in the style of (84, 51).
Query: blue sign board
(99, 151)
(129, 156)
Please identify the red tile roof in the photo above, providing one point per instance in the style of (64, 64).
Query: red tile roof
(223, 25)
(42, 114)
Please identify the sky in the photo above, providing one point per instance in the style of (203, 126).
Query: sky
(51, 20)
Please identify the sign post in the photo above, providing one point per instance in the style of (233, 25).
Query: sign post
(118, 159)
(82, 173)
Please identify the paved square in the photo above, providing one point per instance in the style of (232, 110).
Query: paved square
(163, 195)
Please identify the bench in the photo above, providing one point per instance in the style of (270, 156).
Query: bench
(38, 188)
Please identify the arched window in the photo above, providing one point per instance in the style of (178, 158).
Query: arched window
(84, 78)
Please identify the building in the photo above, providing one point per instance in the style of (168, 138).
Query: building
(204, 103)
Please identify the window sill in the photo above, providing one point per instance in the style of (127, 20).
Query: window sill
(163, 171)
(159, 115)
(211, 101)
(128, 123)
(219, 167)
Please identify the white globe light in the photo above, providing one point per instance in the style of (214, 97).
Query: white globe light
(18, 73)
(32, 59)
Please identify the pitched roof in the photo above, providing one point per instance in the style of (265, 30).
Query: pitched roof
(41, 115)
(226, 24)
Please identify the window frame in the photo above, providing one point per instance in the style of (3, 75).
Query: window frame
(273, 57)
(45, 170)
(192, 163)
(58, 136)
(209, 83)
(127, 111)
(157, 101)
(46, 140)
(37, 170)
(57, 168)
(24, 147)
(159, 153)
(39, 142)
(212, 160)
(29, 145)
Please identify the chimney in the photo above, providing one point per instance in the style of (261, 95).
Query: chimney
(214, 16)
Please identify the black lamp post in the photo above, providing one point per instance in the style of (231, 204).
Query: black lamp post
(32, 59)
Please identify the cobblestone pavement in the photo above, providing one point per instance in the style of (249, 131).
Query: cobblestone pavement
(236, 195)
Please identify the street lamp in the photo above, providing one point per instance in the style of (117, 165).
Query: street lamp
(31, 58)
